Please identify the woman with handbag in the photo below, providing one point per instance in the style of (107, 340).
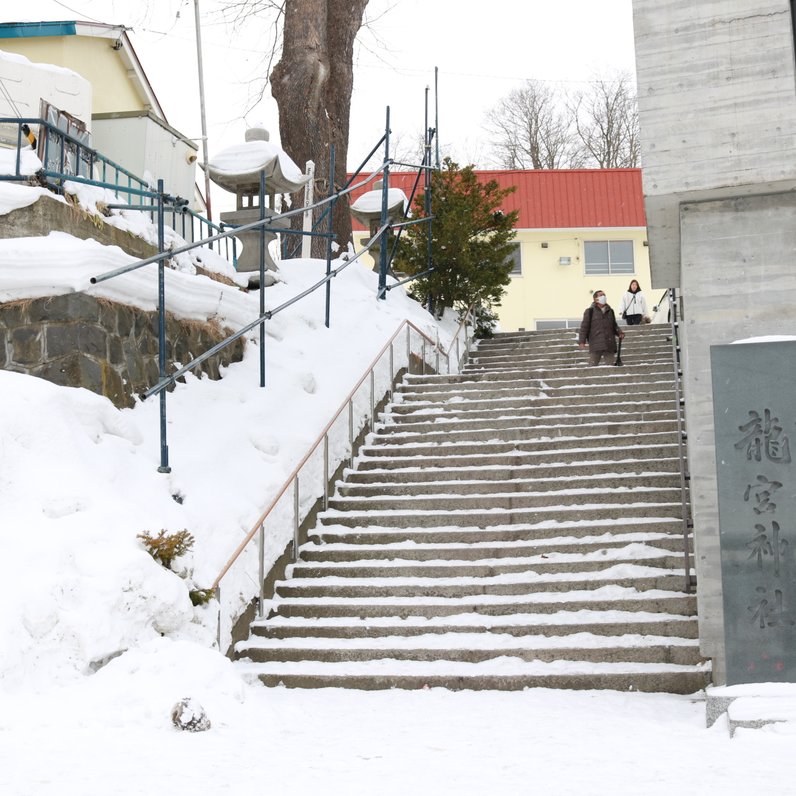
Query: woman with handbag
(633, 306)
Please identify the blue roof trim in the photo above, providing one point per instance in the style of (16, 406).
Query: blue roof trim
(28, 30)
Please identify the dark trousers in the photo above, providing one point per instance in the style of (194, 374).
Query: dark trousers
(596, 356)
(633, 320)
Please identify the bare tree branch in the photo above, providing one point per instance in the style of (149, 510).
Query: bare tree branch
(606, 122)
(530, 129)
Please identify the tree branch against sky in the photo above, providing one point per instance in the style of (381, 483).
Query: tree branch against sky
(530, 130)
(606, 122)
(540, 127)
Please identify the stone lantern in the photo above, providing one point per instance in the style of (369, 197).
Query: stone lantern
(237, 170)
(367, 210)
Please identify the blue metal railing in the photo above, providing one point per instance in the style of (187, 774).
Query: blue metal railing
(79, 163)
(161, 205)
(262, 224)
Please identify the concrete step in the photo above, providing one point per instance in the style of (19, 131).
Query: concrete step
(451, 413)
(513, 418)
(550, 338)
(484, 519)
(474, 648)
(478, 486)
(546, 443)
(641, 578)
(489, 568)
(521, 370)
(654, 349)
(607, 598)
(536, 389)
(521, 454)
(348, 527)
(567, 345)
(596, 379)
(514, 500)
(512, 430)
(559, 623)
(514, 675)
(618, 400)
(615, 470)
(474, 549)
(566, 361)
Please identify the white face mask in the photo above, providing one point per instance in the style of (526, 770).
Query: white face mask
(601, 299)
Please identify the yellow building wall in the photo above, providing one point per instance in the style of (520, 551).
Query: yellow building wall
(546, 290)
(92, 58)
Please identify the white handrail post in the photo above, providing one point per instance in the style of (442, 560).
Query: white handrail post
(218, 626)
(261, 552)
(309, 195)
(351, 430)
(408, 349)
(372, 399)
(295, 517)
(325, 471)
(392, 373)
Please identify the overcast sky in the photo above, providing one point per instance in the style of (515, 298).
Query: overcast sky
(482, 50)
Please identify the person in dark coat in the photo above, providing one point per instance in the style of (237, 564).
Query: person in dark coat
(599, 330)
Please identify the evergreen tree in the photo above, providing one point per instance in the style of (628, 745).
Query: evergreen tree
(471, 240)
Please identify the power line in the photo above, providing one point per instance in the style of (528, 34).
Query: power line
(75, 11)
(444, 73)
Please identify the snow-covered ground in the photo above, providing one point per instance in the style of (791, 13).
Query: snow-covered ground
(98, 642)
(110, 734)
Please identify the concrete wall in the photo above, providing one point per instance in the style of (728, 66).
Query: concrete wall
(752, 294)
(717, 102)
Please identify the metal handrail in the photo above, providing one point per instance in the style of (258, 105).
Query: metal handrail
(323, 437)
(81, 151)
(266, 316)
(685, 513)
(95, 160)
(253, 225)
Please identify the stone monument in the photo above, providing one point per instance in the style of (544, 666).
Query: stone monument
(754, 406)
(367, 210)
(238, 169)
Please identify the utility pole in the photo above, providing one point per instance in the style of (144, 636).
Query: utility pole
(202, 109)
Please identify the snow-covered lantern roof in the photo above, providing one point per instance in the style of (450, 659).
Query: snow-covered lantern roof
(237, 168)
(367, 207)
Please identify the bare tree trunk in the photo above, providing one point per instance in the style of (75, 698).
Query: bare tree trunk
(312, 85)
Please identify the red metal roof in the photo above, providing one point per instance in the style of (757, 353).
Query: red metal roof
(560, 198)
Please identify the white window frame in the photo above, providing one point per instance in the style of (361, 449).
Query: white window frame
(516, 259)
(561, 323)
(608, 269)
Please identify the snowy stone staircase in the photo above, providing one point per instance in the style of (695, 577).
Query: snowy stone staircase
(517, 525)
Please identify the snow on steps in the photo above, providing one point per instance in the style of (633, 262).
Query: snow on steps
(515, 526)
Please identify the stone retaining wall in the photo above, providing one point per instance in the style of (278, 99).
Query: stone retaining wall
(48, 213)
(78, 340)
